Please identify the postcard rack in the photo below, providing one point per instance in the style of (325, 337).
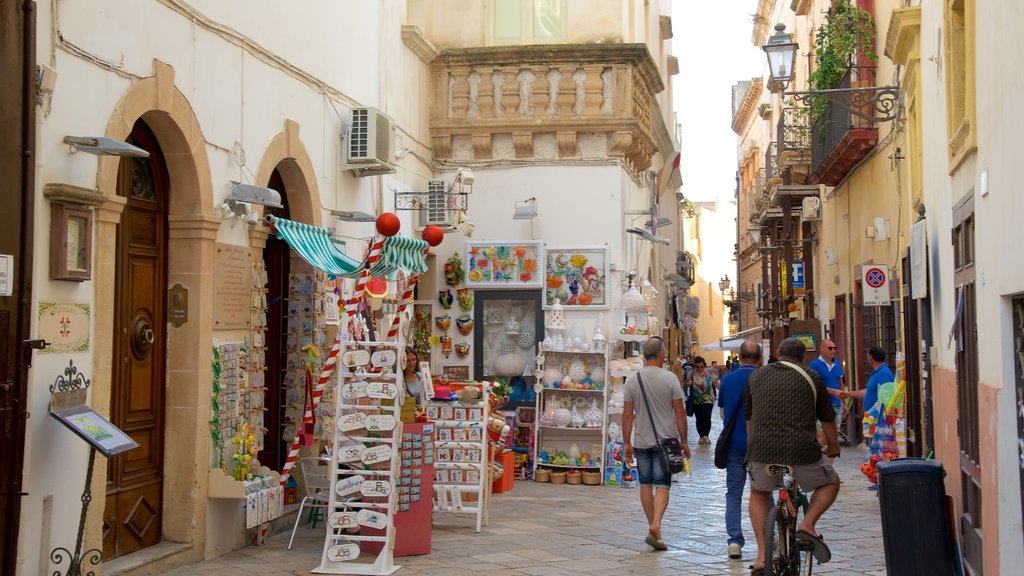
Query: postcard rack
(461, 470)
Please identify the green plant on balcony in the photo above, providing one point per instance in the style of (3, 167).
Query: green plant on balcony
(846, 32)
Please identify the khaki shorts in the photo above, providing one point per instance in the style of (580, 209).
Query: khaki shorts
(808, 476)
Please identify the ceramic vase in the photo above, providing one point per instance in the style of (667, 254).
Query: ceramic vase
(562, 417)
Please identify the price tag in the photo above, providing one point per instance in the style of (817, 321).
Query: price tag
(380, 423)
(343, 552)
(342, 520)
(353, 421)
(375, 488)
(348, 485)
(372, 519)
(383, 358)
(354, 358)
(350, 453)
(386, 390)
(374, 454)
(353, 390)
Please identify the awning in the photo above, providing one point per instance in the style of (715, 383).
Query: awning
(732, 343)
(315, 246)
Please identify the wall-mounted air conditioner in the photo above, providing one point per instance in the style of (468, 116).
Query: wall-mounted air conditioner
(369, 145)
(810, 209)
(434, 208)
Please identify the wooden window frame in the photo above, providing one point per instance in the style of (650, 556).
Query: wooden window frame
(61, 265)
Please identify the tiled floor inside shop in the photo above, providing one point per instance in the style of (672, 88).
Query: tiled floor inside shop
(545, 529)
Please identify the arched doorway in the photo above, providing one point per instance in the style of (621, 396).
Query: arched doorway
(277, 260)
(134, 495)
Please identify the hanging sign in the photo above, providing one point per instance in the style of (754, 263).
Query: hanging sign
(350, 453)
(372, 488)
(784, 278)
(354, 358)
(353, 421)
(353, 390)
(348, 485)
(380, 423)
(383, 358)
(799, 283)
(342, 520)
(385, 390)
(6, 274)
(372, 519)
(875, 284)
(374, 454)
(343, 552)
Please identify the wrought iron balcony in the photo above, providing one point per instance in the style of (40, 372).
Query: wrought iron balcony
(684, 266)
(545, 102)
(840, 137)
(794, 132)
(772, 170)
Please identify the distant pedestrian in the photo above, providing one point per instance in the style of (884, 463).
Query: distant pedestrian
(730, 401)
(659, 402)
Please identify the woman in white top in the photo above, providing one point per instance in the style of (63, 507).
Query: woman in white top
(411, 376)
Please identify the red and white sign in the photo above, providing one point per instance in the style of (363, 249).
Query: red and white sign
(875, 284)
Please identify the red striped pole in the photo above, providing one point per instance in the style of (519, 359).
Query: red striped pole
(406, 298)
(371, 258)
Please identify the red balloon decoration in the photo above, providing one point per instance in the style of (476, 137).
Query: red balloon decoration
(433, 235)
(388, 224)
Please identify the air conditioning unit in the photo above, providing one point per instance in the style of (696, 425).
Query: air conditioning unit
(434, 208)
(810, 209)
(369, 146)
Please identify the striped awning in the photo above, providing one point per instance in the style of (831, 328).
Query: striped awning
(316, 246)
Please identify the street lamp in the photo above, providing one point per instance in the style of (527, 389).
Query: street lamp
(724, 283)
(781, 51)
(755, 233)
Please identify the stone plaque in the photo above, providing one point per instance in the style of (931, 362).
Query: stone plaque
(177, 305)
(232, 287)
(65, 327)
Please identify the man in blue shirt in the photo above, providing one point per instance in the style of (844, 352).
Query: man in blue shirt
(880, 374)
(730, 401)
(832, 374)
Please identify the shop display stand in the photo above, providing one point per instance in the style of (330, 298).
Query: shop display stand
(461, 458)
(365, 459)
(548, 436)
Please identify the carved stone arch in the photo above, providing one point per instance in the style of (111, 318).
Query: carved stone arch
(288, 155)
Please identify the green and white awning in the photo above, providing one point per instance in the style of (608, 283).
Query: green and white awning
(316, 246)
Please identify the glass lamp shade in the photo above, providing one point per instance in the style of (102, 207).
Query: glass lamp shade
(632, 301)
(781, 51)
(755, 233)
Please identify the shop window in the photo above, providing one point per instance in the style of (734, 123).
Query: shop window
(958, 24)
(520, 22)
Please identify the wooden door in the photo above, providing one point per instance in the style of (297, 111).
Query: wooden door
(134, 502)
(17, 141)
(277, 259)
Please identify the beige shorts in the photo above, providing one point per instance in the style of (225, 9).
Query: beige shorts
(808, 476)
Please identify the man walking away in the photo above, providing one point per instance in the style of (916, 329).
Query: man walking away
(783, 401)
(664, 399)
(730, 401)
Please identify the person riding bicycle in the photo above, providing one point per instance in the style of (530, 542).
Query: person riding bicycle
(782, 405)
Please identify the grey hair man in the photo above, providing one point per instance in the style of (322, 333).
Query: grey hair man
(652, 407)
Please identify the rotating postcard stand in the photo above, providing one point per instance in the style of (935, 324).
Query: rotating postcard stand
(364, 461)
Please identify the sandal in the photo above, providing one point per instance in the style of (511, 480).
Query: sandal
(655, 543)
(757, 571)
(821, 552)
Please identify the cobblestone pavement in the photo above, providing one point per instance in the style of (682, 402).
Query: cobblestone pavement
(544, 529)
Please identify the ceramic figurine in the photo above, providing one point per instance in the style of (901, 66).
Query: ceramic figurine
(562, 417)
(593, 416)
(577, 371)
(465, 299)
(577, 418)
(443, 322)
(445, 298)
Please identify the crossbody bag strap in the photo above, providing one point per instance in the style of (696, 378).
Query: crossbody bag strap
(814, 389)
(640, 383)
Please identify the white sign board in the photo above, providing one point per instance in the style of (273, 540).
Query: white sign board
(375, 488)
(383, 358)
(343, 552)
(374, 454)
(919, 260)
(350, 453)
(353, 421)
(372, 519)
(875, 283)
(348, 485)
(353, 390)
(383, 390)
(342, 520)
(6, 274)
(381, 423)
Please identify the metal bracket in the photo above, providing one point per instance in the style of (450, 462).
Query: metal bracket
(884, 99)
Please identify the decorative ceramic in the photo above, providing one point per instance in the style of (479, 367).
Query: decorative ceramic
(508, 347)
(599, 340)
(552, 376)
(445, 298)
(446, 345)
(614, 432)
(549, 343)
(462, 349)
(577, 371)
(577, 418)
(495, 316)
(562, 417)
(592, 417)
(566, 382)
(465, 299)
(559, 343)
(526, 339)
(597, 375)
(512, 327)
(574, 451)
(548, 418)
(577, 343)
(453, 273)
(556, 319)
(509, 365)
(465, 324)
(443, 322)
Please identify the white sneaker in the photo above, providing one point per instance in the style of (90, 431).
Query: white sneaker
(735, 551)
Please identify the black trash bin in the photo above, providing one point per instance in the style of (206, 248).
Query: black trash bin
(915, 524)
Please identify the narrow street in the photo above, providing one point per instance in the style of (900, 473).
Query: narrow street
(545, 529)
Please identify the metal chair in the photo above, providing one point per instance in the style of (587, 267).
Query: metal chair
(316, 476)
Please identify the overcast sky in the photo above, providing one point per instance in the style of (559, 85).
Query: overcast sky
(712, 42)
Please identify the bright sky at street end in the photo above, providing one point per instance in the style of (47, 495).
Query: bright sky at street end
(712, 42)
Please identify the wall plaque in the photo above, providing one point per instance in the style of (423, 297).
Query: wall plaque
(177, 305)
(232, 286)
(65, 326)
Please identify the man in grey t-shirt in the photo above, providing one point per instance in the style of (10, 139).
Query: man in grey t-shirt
(665, 399)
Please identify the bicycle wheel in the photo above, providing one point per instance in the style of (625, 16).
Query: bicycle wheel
(777, 542)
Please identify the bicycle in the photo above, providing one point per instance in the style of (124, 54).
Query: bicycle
(784, 555)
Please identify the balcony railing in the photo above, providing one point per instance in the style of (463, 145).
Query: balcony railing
(794, 131)
(772, 170)
(839, 138)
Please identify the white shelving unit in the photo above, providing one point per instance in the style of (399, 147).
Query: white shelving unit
(461, 458)
(364, 461)
(549, 437)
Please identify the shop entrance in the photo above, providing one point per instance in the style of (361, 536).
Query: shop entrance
(134, 496)
(277, 259)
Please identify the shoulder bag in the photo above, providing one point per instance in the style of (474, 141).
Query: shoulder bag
(724, 443)
(670, 451)
(814, 389)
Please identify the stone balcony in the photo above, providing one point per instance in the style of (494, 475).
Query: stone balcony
(574, 101)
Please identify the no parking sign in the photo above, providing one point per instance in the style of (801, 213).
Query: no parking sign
(875, 282)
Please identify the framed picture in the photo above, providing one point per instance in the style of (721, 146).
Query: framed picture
(99, 432)
(456, 372)
(576, 276)
(504, 264)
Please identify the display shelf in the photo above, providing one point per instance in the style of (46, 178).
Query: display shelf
(633, 337)
(547, 349)
(460, 462)
(550, 465)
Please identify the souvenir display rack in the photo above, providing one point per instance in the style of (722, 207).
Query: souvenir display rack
(365, 458)
(461, 469)
(571, 411)
(306, 325)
